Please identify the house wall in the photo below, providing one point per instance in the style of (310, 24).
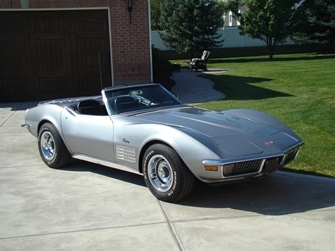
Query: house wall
(131, 46)
(130, 41)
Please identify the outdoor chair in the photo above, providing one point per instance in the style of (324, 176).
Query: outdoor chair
(200, 63)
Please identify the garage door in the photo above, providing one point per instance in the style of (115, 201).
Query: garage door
(53, 54)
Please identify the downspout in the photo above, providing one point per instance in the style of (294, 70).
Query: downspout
(110, 45)
(24, 4)
(149, 15)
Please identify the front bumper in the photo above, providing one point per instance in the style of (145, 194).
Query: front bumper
(236, 169)
(27, 126)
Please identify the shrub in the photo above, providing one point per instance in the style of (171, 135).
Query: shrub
(162, 69)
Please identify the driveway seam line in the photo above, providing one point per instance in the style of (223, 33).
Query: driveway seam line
(11, 115)
(172, 229)
(78, 231)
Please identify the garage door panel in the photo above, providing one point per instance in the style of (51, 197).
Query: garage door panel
(13, 57)
(53, 54)
(49, 22)
(88, 84)
(52, 87)
(18, 88)
(88, 26)
(89, 54)
(91, 23)
(15, 71)
(12, 23)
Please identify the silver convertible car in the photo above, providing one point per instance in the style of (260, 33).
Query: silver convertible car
(144, 128)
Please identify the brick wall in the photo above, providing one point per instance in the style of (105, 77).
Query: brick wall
(130, 41)
(131, 45)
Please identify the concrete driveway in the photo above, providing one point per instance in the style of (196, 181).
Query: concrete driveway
(91, 207)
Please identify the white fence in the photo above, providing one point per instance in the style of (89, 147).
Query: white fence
(231, 36)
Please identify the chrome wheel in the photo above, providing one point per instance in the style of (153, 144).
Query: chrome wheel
(47, 145)
(52, 149)
(165, 174)
(160, 173)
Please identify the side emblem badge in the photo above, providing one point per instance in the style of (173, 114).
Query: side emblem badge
(269, 143)
(125, 141)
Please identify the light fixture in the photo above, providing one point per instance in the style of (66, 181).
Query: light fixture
(129, 4)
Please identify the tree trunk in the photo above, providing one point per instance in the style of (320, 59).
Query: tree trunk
(191, 55)
(272, 45)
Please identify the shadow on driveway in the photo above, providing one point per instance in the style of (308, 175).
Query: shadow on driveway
(279, 194)
(83, 166)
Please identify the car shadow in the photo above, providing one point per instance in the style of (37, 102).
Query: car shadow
(83, 166)
(279, 194)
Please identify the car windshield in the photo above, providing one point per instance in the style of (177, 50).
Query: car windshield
(128, 99)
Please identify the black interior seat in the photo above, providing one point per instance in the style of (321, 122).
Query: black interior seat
(126, 104)
(91, 107)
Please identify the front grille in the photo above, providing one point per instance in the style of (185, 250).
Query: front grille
(246, 167)
(289, 157)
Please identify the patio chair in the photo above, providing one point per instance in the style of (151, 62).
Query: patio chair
(200, 63)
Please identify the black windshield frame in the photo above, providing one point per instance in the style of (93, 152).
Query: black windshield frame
(147, 96)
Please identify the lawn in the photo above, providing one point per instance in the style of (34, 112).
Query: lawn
(297, 89)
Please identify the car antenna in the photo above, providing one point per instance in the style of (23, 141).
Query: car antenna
(99, 58)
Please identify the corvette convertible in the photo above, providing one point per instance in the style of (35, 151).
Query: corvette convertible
(147, 130)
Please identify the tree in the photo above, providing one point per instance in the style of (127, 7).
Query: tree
(271, 21)
(319, 26)
(191, 25)
(155, 13)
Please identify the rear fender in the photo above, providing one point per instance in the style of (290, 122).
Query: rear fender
(39, 115)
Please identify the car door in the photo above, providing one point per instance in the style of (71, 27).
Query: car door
(88, 134)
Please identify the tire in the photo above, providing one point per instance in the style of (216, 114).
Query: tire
(165, 174)
(51, 147)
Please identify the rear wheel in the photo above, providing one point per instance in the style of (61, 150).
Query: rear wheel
(165, 174)
(51, 147)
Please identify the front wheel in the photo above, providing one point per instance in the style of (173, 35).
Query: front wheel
(165, 174)
(51, 147)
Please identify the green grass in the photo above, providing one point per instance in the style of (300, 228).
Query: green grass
(297, 89)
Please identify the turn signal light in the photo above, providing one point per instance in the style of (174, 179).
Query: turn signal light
(211, 168)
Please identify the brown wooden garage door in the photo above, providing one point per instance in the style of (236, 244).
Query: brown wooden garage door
(53, 54)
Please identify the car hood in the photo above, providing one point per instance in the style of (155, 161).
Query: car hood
(234, 135)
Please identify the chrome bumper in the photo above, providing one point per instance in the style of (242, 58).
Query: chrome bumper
(249, 167)
(27, 126)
